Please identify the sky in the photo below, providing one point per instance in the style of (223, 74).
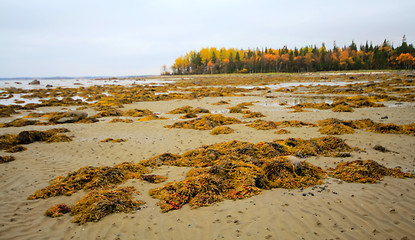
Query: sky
(47, 38)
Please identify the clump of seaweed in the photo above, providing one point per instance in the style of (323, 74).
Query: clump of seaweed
(114, 140)
(162, 159)
(206, 122)
(342, 108)
(15, 149)
(297, 108)
(198, 191)
(282, 173)
(361, 102)
(100, 203)
(109, 112)
(221, 130)
(152, 178)
(7, 111)
(150, 118)
(336, 129)
(121, 120)
(325, 146)
(19, 122)
(188, 115)
(235, 169)
(393, 128)
(90, 178)
(266, 125)
(300, 107)
(188, 109)
(240, 107)
(69, 117)
(345, 104)
(57, 210)
(4, 159)
(233, 179)
(295, 123)
(59, 138)
(8, 141)
(334, 126)
(249, 114)
(365, 171)
(360, 124)
(282, 131)
(260, 124)
(222, 102)
(138, 113)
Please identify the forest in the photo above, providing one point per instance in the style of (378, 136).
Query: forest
(307, 59)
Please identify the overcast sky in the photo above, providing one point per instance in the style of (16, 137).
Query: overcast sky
(44, 38)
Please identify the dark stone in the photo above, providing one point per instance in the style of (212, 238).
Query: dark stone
(34, 82)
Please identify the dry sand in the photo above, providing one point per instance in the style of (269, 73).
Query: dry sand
(385, 210)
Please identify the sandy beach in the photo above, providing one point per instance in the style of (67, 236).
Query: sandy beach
(334, 210)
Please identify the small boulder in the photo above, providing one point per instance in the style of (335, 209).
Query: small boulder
(71, 117)
(34, 82)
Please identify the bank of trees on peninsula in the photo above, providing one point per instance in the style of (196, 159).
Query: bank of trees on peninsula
(311, 58)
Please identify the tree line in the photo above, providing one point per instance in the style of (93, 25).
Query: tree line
(230, 60)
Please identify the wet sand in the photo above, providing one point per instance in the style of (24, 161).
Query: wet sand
(335, 210)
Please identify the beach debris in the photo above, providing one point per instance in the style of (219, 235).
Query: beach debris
(206, 122)
(365, 171)
(5, 159)
(100, 203)
(221, 130)
(57, 210)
